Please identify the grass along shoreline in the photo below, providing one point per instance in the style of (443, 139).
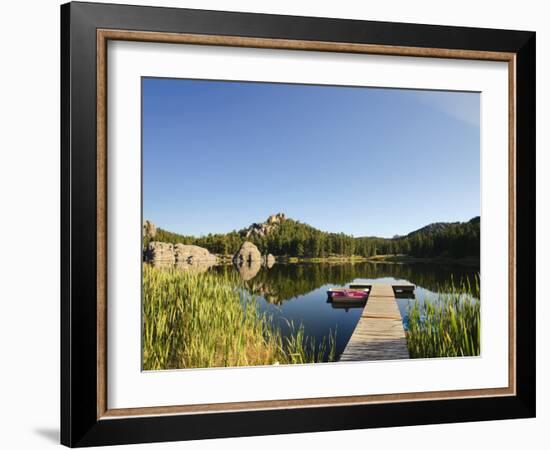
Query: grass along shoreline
(199, 320)
(445, 325)
(194, 320)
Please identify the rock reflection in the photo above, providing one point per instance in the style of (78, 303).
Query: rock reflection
(248, 269)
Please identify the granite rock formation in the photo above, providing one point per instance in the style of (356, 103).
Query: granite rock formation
(149, 229)
(164, 254)
(263, 229)
(247, 254)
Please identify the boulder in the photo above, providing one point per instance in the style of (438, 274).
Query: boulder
(193, 254)
(164, 254)
(248, 253)
(160, 253)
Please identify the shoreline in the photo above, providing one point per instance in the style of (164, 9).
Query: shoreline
(468, 261)
(396, 259)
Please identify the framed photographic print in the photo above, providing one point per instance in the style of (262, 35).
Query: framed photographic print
(276, 224)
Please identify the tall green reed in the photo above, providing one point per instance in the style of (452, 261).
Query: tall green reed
(447, 324)
(195, 320)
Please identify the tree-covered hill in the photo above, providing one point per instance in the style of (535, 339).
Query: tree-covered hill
(457, 239)
(288, 237)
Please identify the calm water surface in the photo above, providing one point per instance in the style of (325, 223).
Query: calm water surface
(297, 293)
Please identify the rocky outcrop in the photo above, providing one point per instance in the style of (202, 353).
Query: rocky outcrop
(163, 254)
(149, 229)
(191, 254)
(276, 219)
(248, 260)
(160, 254)
(263, 229)
(247, 254)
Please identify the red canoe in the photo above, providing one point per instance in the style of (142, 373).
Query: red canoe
(348, 294)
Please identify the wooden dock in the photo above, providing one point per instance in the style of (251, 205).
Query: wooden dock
(379, 334)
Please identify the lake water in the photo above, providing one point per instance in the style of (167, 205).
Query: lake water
(297, 293)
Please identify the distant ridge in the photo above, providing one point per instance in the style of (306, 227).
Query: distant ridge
(437, 227)
(283, 236)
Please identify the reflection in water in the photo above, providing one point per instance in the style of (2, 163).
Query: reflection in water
(286, 281)
(197, 266)
(347, 305)
(297, 293)
(405, 294)
(248, 269)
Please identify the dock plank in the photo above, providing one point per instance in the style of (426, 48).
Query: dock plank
(379, 334)
(382, 290)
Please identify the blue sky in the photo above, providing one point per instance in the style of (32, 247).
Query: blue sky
(220, 155)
